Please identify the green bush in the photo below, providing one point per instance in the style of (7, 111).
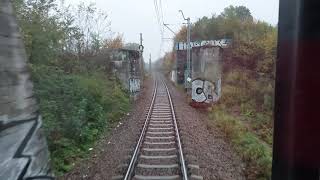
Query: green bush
(76, 109)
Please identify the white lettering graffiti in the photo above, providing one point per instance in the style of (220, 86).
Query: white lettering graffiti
(221, 42)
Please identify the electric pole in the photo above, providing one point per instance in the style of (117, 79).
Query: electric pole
(141, 39)
(141, 57)
(189, 75)
(150, 64)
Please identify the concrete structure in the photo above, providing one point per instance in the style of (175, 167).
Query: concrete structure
(125, 64)
(181, 65)
(206, 73)
(206, 65)
(181, 55)
(23, 148)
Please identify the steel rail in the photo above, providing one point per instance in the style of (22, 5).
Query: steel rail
(141, 138)
(183, 164)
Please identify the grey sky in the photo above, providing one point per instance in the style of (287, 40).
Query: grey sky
(130, 17)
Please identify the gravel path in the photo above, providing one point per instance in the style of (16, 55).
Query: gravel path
(202, 145)
(111, 153)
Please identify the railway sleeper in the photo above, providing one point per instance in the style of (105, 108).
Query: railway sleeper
(154, 143)
(157, 170)
(157, 146)
(153, 137)
(160, 132)
(162, 102)
(161, 112)
(160, 124)
(162, 107)
(160, 143)
(193, 169)
(160, 128)
(174, 177)
(195, 177)
(168, 131)
(161, 119)
(158, 160)
(159, 151)
(164, 116)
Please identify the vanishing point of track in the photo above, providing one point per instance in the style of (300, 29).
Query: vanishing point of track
(158, 153)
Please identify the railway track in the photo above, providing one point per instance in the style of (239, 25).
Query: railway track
(158, 153)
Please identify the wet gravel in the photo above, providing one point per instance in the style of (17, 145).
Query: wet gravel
(109, 157)
(203, 145)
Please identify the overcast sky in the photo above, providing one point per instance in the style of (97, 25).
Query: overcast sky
(130, 17)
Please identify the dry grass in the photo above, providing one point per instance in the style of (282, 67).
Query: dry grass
(244, 114)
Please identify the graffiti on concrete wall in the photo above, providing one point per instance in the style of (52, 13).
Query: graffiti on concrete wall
(224, 43)
(173, 76)
(126, 66)
(204, 91)
(23, 147)
(134, 85)
(206, 73)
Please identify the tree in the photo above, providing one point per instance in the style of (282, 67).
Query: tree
(114, 43)
(132, 46)
(41, 30)
(181, 35)
(239, 12)
(254, 42)
(50, 30)
(92, 26)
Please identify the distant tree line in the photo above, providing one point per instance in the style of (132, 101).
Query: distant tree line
(254, 41)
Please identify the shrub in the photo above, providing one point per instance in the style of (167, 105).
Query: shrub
(250, 128)
(76, 109)
(253, 151)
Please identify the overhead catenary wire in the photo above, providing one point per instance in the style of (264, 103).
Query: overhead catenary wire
(159, 17)
(160, 20)
(166, 25)
(161, 12)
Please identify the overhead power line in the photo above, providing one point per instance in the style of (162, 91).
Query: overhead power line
(166, 25)
(159, 17)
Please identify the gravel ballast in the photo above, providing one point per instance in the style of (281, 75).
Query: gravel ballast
(204, 146)
(206, 152)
